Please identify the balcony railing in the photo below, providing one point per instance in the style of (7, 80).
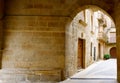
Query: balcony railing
(102, 37)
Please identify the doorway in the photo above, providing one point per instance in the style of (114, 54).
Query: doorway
(113, 52)
(81, 45)
(99, 51)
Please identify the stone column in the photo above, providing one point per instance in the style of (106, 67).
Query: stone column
(1, 26)
(34, 42)
(117, 22)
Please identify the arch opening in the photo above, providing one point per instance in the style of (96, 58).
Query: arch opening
(113, 52)
(88, 38)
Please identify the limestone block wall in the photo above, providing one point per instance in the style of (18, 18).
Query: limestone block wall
(34, 37)
(71, 50)
(38, 7)
(34, 41)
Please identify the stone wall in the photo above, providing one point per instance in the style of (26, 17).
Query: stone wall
(32, 41)
(38, 7)
(34, 36)
(36, 42)
(1, 28)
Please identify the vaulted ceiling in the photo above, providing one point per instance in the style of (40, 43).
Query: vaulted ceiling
(54, 7)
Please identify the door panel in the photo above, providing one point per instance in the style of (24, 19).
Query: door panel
(113, 52)
(99, 51)
(80, 53)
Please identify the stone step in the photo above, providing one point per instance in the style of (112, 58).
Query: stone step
(26, 76)
(12, 81)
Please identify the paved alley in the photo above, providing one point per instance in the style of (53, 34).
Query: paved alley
(104, 71)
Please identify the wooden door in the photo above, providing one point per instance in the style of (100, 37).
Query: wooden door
(80, 53)
(113, 52)
(99, 51)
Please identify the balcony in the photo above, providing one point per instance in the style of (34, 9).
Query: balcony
(102, 37)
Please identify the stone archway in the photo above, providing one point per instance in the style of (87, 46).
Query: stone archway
(110, 6)
(70, 50)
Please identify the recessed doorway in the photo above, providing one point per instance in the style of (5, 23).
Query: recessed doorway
(113, 52)
(81, 45)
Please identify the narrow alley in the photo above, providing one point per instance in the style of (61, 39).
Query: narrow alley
(103, 71)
